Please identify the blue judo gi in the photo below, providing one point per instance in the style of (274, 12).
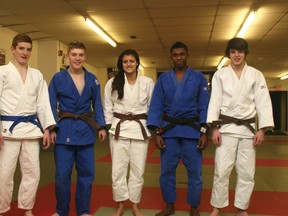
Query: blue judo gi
(186, 99)
(75, 138)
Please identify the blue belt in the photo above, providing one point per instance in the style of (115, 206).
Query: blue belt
(17, 119)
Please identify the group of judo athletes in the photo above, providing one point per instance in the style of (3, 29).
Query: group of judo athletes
(177, 116)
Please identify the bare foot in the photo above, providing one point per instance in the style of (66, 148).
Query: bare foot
(168, 210)
(215, 212)
(28, 213)
(136, 211)
(119, 210)
(242, 213)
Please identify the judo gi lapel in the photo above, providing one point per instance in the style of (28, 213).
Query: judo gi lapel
(131, 93)
(238, 89)
(25, 87)
(79, 98)
(178, 89)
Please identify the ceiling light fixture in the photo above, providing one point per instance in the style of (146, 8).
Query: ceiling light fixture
(284, 77)
(251, 17)
(141, 67)
(249, 20)
(222, 62)
(90, 22)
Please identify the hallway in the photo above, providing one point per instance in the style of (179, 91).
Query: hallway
(270, 196)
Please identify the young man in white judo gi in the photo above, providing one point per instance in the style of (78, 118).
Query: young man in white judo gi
(239, 95)
(126, 103)
(24, 112)
(74, 95)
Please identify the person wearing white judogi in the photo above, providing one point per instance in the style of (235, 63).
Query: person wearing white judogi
(25, 113)
(239, 96)
(126, 102)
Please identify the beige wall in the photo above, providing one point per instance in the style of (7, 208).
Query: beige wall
(277, 84)
(6, 37)
(150, 72)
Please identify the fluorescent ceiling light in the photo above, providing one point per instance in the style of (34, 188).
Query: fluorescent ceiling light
(241, 33)
(222, 62)
(99, 31)
(141, 67)
(284, 77)
(247, 24)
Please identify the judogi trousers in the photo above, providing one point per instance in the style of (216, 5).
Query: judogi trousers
(28, 153)
(241, 153)
(65, 156)
(185, 149)
(125, 152)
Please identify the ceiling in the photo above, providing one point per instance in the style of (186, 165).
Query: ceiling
(204, 25)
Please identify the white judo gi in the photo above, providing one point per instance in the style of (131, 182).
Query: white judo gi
(22, 99)
(131, 148)
(241, 98)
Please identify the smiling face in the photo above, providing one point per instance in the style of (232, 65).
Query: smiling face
(77, 58)
(21, 53)
(237, 57)
(129, 64)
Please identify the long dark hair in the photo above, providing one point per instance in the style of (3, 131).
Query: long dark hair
(119, 81)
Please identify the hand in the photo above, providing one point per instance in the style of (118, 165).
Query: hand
(1, 141)
(259, 137)
(53, 136)
(216, 136)
(102, 135)
(46, 139)
(203, 142)
(159, 143)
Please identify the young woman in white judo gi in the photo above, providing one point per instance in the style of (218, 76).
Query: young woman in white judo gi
(24, 100)
(126, 102)
(239, 94)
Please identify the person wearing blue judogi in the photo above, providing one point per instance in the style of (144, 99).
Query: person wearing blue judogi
(177, 116)
(74, 95)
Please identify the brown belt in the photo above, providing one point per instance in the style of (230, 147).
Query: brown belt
(130, 117)
(223, 119)
(85, 117)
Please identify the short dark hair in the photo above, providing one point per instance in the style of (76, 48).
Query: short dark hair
(21, 38)
(76, 45)
(237, 44)
(178, 44)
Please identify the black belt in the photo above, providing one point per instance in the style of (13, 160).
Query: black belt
(180, 121)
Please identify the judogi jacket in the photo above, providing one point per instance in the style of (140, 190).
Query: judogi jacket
(136, 100)
(240, 98)
(186, 99)
(22, 99)
(65, 97)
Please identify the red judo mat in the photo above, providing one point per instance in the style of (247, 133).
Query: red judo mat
(262, 203)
